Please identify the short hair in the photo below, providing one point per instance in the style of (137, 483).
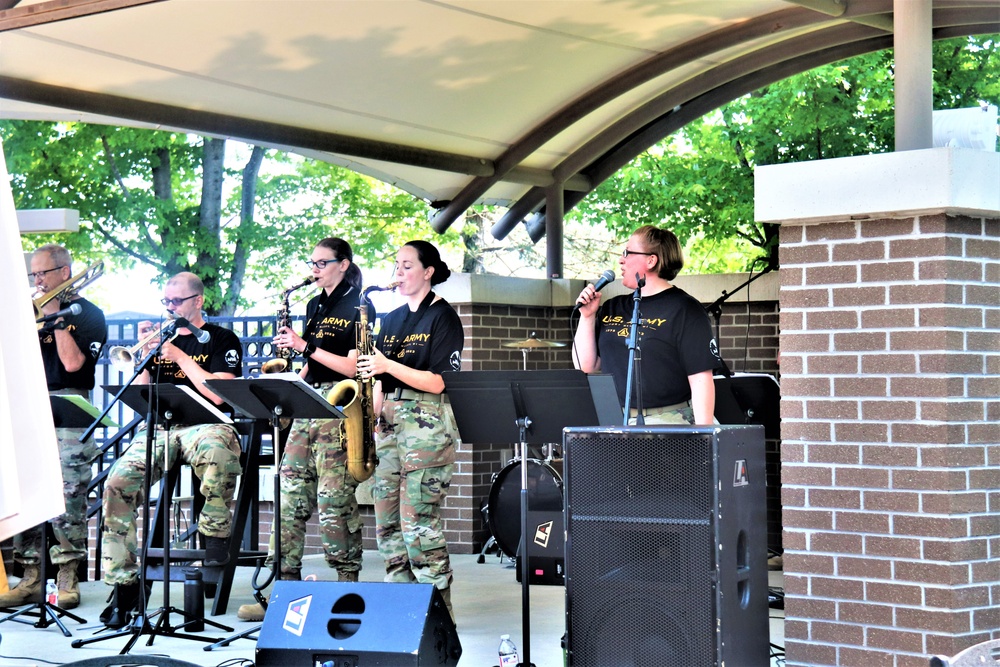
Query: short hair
(57, 253)
(664, 245)
(192, 281)
(342, 250)
(430, 257)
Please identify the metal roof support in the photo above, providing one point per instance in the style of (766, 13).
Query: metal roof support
(574, 110)
(913, 76)
(554, 230)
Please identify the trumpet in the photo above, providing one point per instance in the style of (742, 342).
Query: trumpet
(68, 290)
(123, 358)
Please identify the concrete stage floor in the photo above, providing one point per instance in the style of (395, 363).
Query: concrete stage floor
(486, 597)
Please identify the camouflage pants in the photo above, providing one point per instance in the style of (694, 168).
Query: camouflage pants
(314, 476)
(70, 529)
(416, 450)
(681, 413)
(212, 450)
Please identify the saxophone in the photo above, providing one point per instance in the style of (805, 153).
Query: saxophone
(283, 361)
(358, 429)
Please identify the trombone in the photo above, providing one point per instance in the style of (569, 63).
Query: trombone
(123, 358)
(69, 289)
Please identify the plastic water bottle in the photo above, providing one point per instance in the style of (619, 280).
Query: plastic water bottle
(508, 652)
(51, 592)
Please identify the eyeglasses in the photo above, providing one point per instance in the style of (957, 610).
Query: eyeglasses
(626, 252)
(38, 275)
(321, 263)
(176, 302)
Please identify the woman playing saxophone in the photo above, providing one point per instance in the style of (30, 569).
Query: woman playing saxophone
(313, 472)
(417, 435)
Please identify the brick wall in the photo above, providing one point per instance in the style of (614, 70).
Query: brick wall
(890, 360)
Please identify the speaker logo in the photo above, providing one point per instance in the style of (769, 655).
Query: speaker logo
(295, 615)
(542, 533)
(740, 474)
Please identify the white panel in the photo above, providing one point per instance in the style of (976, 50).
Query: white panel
(28, 448)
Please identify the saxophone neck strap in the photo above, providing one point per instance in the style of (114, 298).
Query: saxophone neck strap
(411, 321)
(324, 305)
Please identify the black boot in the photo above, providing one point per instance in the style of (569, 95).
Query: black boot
(124, 603)
(216, 551)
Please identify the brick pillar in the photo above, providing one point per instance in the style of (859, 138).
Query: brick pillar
(890, 360)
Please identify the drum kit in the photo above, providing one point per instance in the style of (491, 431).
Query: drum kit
(545, 485)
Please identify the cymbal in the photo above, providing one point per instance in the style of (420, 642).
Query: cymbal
(533, 343)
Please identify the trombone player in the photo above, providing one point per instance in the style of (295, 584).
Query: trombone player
(70, 346)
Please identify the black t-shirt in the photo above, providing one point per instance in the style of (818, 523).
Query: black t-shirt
(221, 354)
(675, 341)
(331, 325)
(434, 343)
(90, 332)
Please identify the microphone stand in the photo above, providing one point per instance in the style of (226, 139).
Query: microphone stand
(715, 310)
(634, 356)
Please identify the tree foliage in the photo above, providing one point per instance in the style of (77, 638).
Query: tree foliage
(172, 201)
(699, 182)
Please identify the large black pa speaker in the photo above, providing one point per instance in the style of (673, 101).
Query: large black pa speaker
(345, 624)
(666, 546)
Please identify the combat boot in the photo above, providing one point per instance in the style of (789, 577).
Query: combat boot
(28, 590)
(216, 551)
(347, 576)
(124, 604)
(68, 583)
(255, 611)
(446, 596)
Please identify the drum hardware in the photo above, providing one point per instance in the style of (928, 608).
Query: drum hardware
(532, 342)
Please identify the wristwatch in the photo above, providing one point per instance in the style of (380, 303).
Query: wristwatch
(308, 351)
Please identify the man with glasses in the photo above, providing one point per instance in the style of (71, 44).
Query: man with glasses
(212, 450)
(679, 352)
(70, 348)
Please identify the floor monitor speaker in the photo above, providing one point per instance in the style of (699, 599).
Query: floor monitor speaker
(344, 624)
(666, 546)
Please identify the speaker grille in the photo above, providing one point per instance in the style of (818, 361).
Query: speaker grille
(639, 512)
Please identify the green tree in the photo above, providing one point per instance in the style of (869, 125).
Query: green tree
(170, 201)
(699, 182)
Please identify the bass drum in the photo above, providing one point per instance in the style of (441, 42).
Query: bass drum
(545, 493)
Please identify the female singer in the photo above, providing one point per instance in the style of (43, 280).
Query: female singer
(679, 352)
(417, 434)
(314, 465)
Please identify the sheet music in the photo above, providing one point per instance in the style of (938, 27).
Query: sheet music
(208, 405)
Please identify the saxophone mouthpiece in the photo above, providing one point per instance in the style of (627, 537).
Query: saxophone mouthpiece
(375, 288)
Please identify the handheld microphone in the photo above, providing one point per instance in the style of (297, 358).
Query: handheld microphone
(200, 335)
(606, 279)
(74, 309)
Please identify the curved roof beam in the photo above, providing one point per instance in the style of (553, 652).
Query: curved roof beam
(675, 97)
(578, 108)
(984, 22)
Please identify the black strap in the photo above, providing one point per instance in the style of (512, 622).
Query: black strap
(324, 307)
(411, 320)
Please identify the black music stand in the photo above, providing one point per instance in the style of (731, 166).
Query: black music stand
(68, 411)
(525, 407)
(272, 399)
(168, 405)
(749, 398)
